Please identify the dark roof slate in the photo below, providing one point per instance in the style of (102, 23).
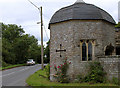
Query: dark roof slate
(81, 11)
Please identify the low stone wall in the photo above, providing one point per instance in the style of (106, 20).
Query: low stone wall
(111, 65)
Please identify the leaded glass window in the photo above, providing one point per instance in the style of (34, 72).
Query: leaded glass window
(84, 55)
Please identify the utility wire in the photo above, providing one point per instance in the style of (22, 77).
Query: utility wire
(33, 4)
(46, 33)
(46, 16)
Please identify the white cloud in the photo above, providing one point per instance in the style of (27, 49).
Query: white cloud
(44, 43)
(119, 11)
(21, 12)
(11, 1)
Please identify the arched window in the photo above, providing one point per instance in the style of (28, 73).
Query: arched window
(109, 50)
(87, 48)
(89, 51)
(118, 50)
(84, 55)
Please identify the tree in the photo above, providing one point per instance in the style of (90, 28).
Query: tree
(11, 32)
(34, 50)
(17, 46)
(47, 53)
(9, 35)
(7, 52)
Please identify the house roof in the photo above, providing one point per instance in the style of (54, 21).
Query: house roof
(81, 11)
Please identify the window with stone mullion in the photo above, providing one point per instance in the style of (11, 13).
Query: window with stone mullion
(89, 51)
(86, 51)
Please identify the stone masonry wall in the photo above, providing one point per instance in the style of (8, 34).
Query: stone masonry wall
(108, 35)
(61, 33)
(69, 34)
(111, 66)
(101, 31)
(117, 36)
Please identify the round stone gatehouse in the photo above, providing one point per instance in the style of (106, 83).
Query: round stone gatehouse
(81, 32)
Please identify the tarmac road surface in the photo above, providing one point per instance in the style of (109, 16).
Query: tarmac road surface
(17, 76)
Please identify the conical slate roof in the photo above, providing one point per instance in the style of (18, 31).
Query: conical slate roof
(81, 11)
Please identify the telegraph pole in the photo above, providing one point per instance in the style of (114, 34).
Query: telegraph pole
(41, 37)
(119, 12)
(40, 11)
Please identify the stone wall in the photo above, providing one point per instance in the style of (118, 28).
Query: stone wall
(111, 65)
(61, 33)
(69, 34)
(101, 31)
(117, 36)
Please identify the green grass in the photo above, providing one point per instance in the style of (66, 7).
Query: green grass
(11, 66)
(37, 80)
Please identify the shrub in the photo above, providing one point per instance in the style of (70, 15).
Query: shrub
(61, 71)
(47, 70)
(115, 80)
(4, 64)
(80, 78)
(96, 74)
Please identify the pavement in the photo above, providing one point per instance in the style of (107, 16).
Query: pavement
(17, 76)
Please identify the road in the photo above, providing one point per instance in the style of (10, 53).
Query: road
(17, 76)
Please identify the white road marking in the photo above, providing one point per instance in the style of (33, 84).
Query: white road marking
(18, 71)
(8, 74)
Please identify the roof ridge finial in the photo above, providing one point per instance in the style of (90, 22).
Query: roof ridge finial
(79, 1)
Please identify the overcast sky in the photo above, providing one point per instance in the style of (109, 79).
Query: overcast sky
(21, 12)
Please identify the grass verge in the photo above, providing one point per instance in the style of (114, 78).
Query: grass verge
(39, 79)
(11, 66)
